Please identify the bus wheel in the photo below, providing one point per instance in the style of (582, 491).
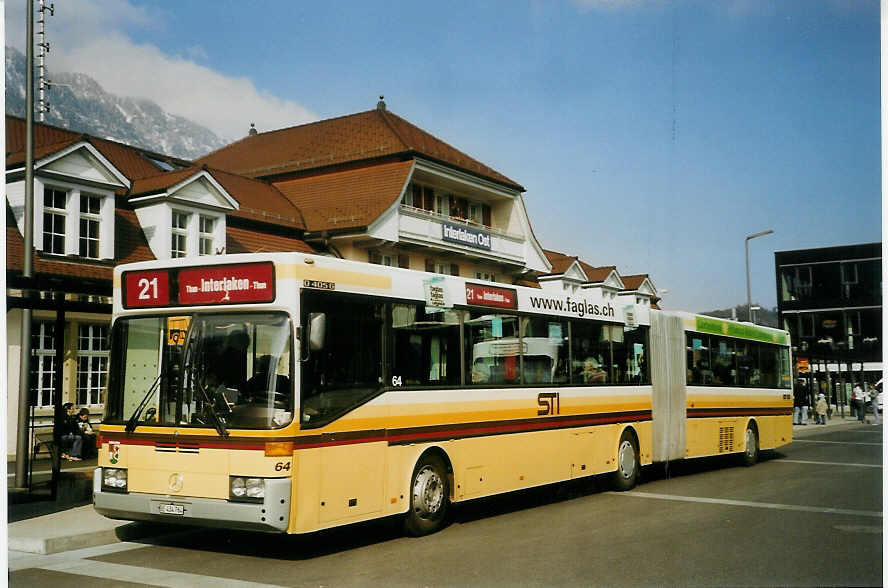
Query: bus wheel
(626, 475)
(429, 497)
(751, 453)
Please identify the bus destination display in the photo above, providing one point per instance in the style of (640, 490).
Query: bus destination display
(219, 284)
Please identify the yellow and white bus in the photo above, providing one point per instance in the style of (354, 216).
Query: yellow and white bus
(290, 392)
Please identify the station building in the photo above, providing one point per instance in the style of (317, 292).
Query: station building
(830, 301)
(368, 187)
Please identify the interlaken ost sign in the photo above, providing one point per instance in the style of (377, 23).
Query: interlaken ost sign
(216, 284)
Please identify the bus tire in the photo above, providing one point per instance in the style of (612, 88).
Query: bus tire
(750, 454)
(626, 475)
(429, 496)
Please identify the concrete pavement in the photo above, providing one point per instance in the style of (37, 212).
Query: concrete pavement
(79, 526)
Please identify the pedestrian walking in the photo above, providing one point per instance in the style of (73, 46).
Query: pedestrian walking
(872, 395)
(820, 408)
(800, 407)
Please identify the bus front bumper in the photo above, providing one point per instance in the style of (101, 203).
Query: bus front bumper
(272, 515)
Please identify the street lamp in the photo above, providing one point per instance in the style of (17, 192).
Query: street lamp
(748, 292)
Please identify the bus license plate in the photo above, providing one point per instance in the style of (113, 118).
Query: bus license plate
(172, 509)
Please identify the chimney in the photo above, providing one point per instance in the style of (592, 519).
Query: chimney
(381, 104)
(253, 130)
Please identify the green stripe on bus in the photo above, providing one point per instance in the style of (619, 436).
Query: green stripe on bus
(716, 326)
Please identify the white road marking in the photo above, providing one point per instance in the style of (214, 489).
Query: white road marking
(723, 501)
(831, 463)
(834, 442)
(143, 575)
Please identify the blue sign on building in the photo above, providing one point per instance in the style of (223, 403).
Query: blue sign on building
(466, 236)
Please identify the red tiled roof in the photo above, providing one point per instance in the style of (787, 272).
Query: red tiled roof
(560, 262)
(259, 200)
(129, 242)
(352, 138)
(634, 282)
(348, 199)
(243, 241)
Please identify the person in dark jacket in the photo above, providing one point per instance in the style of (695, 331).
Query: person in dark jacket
(72, 439)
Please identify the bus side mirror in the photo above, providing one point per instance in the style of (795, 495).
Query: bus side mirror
(317, 330)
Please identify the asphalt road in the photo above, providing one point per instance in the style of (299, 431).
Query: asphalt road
(809, 515)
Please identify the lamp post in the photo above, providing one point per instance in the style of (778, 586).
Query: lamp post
(748, 291)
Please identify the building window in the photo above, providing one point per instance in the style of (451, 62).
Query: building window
(178, 246)
(54, 204)
(90, 218)
(485, 276)
(92, 363)
(207, 225)
(43, 364)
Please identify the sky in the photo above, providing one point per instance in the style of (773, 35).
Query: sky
(650, 135)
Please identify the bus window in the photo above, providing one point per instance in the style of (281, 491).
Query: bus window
(723, 371)
(545, 350)
(426, 346)
(347, 371)
(630, 354)
(748, 372)
(699, 371)
(590, 347)
(492, 348)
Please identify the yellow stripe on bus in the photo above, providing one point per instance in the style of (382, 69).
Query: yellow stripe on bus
(310, 272)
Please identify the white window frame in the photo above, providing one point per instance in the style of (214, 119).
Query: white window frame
(179, 232)
(91, 218)
(206, 239)
(94, 356)
(43, 362)
(56, 212)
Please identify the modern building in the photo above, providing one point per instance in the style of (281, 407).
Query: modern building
(830, 300)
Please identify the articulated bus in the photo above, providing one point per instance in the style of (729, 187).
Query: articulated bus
(286, 392)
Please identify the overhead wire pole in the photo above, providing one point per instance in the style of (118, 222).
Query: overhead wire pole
(748, 290)
(22, 453)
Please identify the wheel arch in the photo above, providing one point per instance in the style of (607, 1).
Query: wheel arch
(442, 454)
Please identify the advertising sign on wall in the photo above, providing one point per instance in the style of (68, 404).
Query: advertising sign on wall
(467, 236)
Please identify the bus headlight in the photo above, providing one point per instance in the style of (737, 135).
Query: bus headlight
(114, 479)
(245, 489)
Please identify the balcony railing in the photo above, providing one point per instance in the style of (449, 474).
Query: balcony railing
(432, 215)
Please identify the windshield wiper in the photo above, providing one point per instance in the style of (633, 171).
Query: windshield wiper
(210, 407)
(131, 423)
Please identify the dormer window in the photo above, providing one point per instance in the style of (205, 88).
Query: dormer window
(205, 236)
(54, 212)
(179, 242)
(90, 219)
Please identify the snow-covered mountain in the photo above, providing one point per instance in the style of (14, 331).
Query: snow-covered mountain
(79, 103)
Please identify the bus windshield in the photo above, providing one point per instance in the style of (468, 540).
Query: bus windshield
(208, 370)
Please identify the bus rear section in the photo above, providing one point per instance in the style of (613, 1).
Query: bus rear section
(719, 387)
